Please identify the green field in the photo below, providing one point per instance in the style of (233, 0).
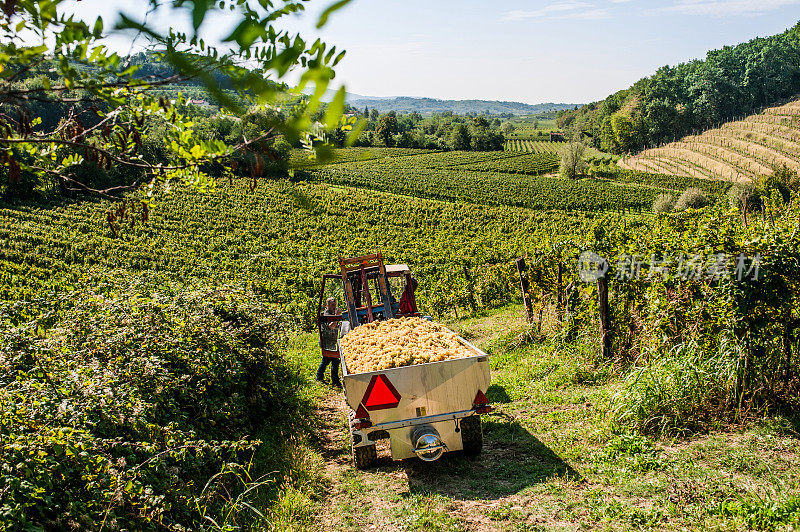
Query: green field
(277, 239)
(532, 128)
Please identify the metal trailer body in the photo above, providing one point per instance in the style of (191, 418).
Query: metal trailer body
(436, 395)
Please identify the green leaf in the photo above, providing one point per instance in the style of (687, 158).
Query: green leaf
(246, 33)
(323, 18)
(98, 28)
(335, 109)
(199, 13)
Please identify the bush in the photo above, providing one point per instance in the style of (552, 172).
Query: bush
(744, 196)
(783, 181)
(692, 198)
(139, 409)
(573, 161)
(664, 203)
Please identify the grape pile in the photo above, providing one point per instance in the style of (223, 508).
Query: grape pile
(399, 342)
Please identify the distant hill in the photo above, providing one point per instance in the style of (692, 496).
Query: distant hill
(736, 151)
(406, 104)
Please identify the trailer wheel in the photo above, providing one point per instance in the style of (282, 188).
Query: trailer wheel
(365, 456)
(472, 435)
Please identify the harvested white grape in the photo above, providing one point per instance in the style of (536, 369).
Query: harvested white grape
(399, 342)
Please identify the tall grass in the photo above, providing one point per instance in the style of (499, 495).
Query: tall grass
(680, 389)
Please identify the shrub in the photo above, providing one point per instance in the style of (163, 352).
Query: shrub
(664, 203)
(745, 196)
(139, 408)
(573, 161)
(786, 179)
(782, 181)
(692, 198)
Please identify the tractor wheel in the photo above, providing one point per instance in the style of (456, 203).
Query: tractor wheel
(472, 435)
(365, 456)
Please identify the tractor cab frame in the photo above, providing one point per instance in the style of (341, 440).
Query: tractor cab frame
(367, 286)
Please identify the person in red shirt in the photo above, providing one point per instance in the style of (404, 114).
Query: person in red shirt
(408, 303)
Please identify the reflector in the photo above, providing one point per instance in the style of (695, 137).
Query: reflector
(480, 399)
(361, 412)
(380, 394)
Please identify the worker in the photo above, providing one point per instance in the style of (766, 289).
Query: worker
(329, 342)
(408, 303)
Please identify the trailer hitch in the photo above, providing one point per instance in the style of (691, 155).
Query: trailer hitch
(428, 445)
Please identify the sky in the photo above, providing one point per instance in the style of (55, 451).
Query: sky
(534, 51)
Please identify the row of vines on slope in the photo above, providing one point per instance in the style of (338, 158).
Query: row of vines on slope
(277, 239)
(703, 308)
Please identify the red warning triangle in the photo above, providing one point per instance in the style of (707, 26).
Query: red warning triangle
(361, 412)
(480, 399)
(380, 394)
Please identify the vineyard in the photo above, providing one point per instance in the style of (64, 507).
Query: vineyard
(223, 276)
(279, 236)
(533, 146)
(736, 151)
(624, 330)
(276, 240)
(502, 178)
(303, 159)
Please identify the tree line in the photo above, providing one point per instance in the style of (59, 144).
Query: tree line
(439, 131)
(693, 96)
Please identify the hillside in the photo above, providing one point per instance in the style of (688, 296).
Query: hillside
(676, 101)
(188, 303)
(405, 104)
(736, 151)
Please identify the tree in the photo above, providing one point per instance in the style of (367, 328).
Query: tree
(608, 140)
(405, 140)
(507, 128)
(460, 138)
(692, 198)
(622, 126)
(387, 128)
(484, 139)
(108, 110)
(481, 122)
(573, 160)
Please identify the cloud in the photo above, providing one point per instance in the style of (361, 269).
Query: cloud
(723, 8)
(592, 14)
(547, 11)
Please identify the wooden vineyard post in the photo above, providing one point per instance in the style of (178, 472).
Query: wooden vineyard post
(605, 315)
(473, 305)
(559, 288)
(525, 286)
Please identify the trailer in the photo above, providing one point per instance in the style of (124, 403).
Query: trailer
(424, 410)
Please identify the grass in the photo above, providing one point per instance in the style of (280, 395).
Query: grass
(553, 459)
